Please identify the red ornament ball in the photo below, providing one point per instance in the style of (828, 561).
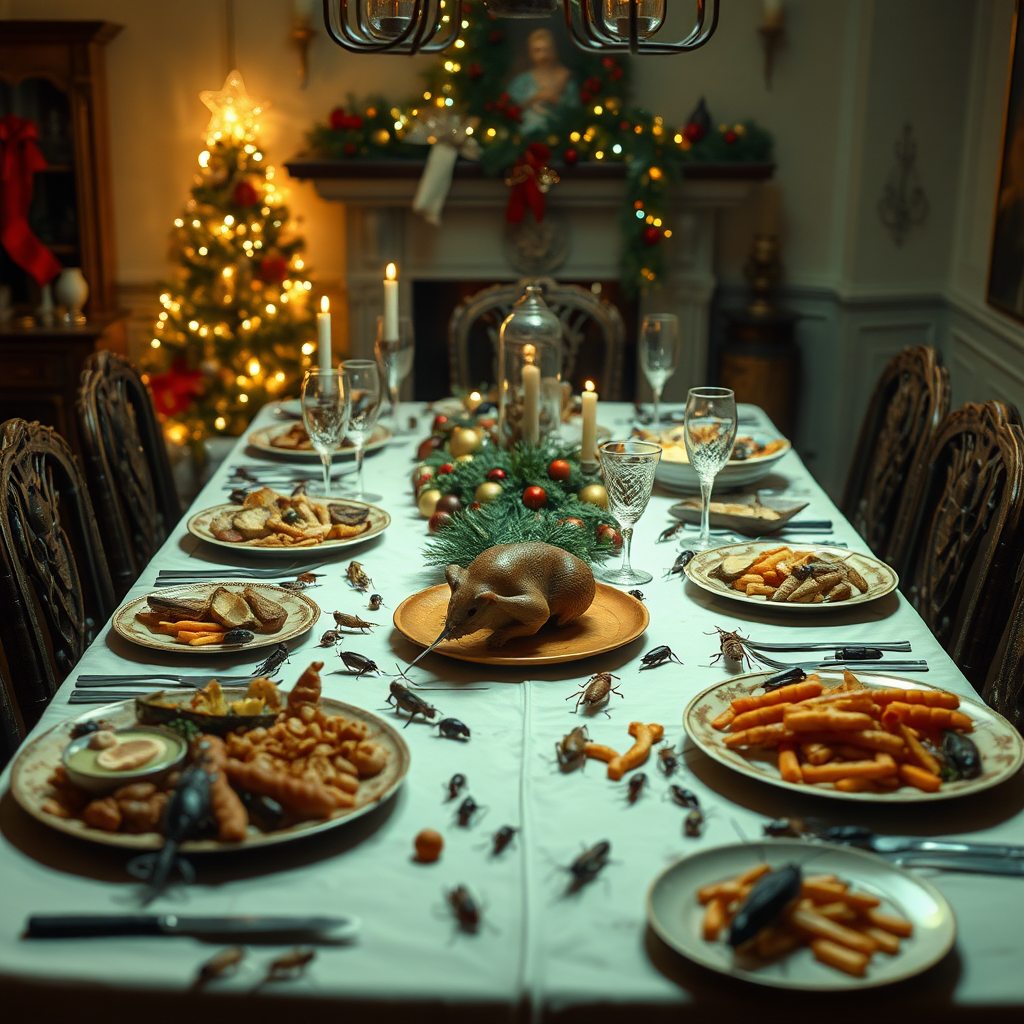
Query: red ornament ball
(624, 126)
(609, 537)
(652, 235)
(571, 156)
(448, 503)
(496, 36)
(693, 132)
(585, 97)
(338, 119)
(730, 137)
(438, 521)
(427, 446)
(559, 470)
(474, 70)
(245, 194)
(496, 475)
(608, 62)
(572, 521)
(535, 498)
(440, 421)
(350, 149)
(592, 84)
(446, 468)
(273, 269)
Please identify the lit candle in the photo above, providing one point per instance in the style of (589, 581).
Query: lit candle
(391, 303)
(531, 403)
(588, 447)
(323, 327)
(473, 401)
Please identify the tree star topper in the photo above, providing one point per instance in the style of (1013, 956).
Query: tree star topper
(234, 111)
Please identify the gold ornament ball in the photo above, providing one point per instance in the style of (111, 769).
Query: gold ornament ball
(489, 490)
(464, 441)
(464, 458)
(382, 137)
(594, 494)
(427, 502)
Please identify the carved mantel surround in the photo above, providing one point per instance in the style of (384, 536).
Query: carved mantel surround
(470, 243)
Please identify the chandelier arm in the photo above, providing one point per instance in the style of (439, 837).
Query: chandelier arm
(416, 37)
(589, 31)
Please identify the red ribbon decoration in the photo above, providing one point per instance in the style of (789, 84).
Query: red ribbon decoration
(20, 158)
(523, 180)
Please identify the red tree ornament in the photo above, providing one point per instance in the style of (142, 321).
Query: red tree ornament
(652, 235)
(175, 390)
(338, 119)
(571, 156)
(273, 269)
(730, 137)
(693, 132)
(245, 194)
(535, 497)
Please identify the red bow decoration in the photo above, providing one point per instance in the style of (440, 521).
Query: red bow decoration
(530, 180)
(20, 158)
(175, 390)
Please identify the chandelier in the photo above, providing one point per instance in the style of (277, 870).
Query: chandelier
(428, 26)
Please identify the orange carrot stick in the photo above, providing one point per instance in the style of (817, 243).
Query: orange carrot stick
(789, 765)
(923, 717)
(891, 923)
(783, 695)
(870, 739)
(759, 716)
(847, 770)
(714, 919)
(930, 698)
(846, 960)
(759, 736)
(920, 778)
(724, 720)
(826, 721)
(916, 752)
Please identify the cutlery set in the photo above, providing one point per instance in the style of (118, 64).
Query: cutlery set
(179, 577)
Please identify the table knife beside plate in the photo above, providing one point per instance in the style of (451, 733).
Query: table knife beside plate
(81, 926)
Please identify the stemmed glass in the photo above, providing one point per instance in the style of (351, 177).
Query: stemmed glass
(628, 468)
(395, 358)
(659, 353)
(325, 410)
(709, 433)
(364, 385)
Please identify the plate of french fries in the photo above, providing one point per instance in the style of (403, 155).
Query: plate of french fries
(211, 618)
(294, 443)
(848, 920)
(273, 524)
(834, 735)
(791, 579)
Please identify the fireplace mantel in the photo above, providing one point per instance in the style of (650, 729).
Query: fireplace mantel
(471, 243)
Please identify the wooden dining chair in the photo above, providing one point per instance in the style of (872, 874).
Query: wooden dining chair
(960, 524)
(910, 400)
(127, 466)
(593, 335)
(1004, 686)
(55, 589)
(12, 730)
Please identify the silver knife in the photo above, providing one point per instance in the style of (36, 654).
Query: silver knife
(962, 862)
(908, 844)
(72, 926)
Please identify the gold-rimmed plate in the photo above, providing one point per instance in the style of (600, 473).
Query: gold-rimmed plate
(262, 440)
(302, 615)
(612, 621)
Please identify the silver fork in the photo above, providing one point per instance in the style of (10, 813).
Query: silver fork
(231, 571)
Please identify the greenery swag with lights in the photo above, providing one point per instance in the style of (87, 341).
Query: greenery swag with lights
(469, 78)
(235, 329)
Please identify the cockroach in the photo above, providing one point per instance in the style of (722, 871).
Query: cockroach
(784, 678)
(357, 577)
(570, 751)
(596, 692)
(221, 963)
(290, 964)
(802, 572)
(310, 578)
(300, 489)
(376, 603)
(671, 531)
(357, 663)
(779, 827)
(636, 787)
(741, 451)
(464, 907)
(694, 823)
(241, 473)
(87, 728)
(680, 564)
(587, 866)
(353, 621)
(239, 636)
(731, 647)
(456, 784)
(684, 797)
(464, 815)
(658, 656)
(403, 698)
(638, 594)
(238, 496)
(452, 728)
(297, 585)
(330, 638)
(277, 657)
(859, 654)
(502, 838)
(768, 898)
(668, 759)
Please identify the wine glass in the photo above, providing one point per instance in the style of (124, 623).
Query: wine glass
(325, 410)
(628, 468)
(364, 385)
(709, 433)
(395, 358)
(659, 353)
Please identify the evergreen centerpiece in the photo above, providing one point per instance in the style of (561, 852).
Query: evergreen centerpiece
(235, 329)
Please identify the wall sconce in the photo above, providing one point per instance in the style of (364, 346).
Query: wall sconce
(772, 29)
(302, 35)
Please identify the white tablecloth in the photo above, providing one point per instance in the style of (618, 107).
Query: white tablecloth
(540, 952)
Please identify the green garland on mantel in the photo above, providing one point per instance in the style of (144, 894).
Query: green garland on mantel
(470, 80)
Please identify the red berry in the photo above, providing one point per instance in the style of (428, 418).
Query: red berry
(438, 521)
(608, 536)
(693, 132)
(559, 470)
(608, 62)
(624, 126)
(446, 468)
(496, 475)
(572, 521)
(355, 121)
(535, 498)
(652, 235)
(338, 118)
(496, 36)
(439, 421)
(585, 96)
(730, 137)
(245, 194)
(476, 505)
(571, 156)
(427, 447)
(474, 71)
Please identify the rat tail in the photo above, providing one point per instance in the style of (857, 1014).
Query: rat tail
(442, 637)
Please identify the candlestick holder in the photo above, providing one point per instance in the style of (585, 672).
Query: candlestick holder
(763, 270)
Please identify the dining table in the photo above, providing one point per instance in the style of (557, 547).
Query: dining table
(544, 950)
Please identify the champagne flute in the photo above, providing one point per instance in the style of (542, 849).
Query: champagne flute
(659, 353)
(364, 386)
(395, 357)
(709, 433)
(628, 468)
(325, 409)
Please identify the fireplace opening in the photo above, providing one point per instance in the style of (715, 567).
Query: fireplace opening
(435, 301)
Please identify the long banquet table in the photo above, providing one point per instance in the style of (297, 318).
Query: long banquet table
(541, 953)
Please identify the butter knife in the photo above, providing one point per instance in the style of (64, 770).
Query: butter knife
(239, 926)
(961, 862)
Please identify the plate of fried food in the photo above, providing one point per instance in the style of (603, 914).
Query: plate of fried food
(791, 580)
(215, 617)
(890, 740)
(294, 442)
(317, 764)
(788, 915)
(747, 513)
(269, 523)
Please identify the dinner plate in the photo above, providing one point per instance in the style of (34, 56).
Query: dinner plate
(613, 620)
(689, 511)
(260, 440)
(302, 615)
(199, 526)
(1000, 745)
(675, 915)
(41, 755)
(880, 578)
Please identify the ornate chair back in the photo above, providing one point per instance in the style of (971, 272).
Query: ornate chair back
(55, 587)
(592, 332)
(12, 731)
(910, 400)
(127, 465)
(1004, 687)
(960, 523)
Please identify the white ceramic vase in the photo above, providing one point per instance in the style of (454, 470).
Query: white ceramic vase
(72, 292)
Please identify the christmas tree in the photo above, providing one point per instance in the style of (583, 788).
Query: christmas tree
(236, 328)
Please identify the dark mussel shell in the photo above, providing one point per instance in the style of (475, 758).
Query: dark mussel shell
(963, 759)
(239, 636)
